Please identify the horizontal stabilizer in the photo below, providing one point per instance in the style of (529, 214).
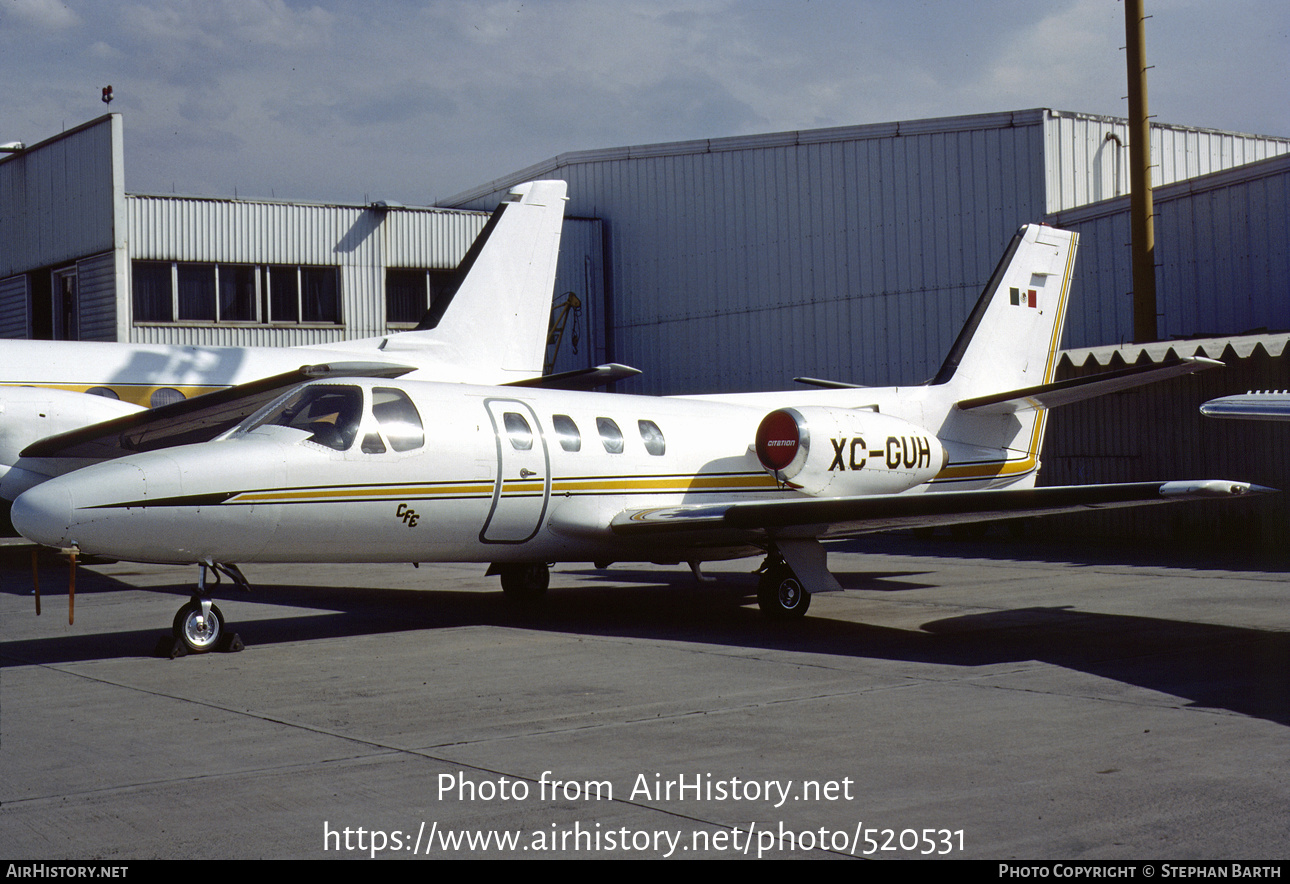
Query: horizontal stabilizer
(837, 517)
(580, 378)
(194, 420)
(1079, 389)
(1269, 405)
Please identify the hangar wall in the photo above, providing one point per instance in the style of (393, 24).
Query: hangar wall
(852, 253)
(81, 259)
(1157, 432)
(1222, 256)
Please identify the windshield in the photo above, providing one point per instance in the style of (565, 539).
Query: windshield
(330, 413)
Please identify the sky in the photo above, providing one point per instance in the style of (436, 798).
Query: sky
(415, 102)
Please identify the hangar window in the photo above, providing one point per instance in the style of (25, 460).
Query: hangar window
(184, 291)
(153, 291)
(410, 293)
(610, 435)
(567, 432)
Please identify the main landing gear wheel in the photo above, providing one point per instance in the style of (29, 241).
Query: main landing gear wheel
(525, 583)
(198, 631)
(780, 595)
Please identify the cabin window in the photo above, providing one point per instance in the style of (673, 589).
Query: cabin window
(652, 436)
(517, 428)
(165, 396)
(610, 435)
(399, 419)
(567, 432)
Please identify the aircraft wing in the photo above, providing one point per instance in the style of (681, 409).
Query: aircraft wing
(1265, 406)
(580, 378)
(843, 516)
(193, 420)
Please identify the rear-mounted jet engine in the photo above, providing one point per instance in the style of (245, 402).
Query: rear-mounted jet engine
(839, 452)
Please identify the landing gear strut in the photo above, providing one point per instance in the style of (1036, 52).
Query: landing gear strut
(525, 583)
(780, 593)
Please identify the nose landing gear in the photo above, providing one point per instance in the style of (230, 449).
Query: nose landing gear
(199, 625)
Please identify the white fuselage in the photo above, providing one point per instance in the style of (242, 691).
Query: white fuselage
(491, 474)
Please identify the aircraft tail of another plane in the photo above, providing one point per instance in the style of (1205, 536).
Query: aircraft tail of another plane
(496, 309)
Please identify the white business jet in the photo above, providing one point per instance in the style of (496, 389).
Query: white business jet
(380, 470)
(488, 325)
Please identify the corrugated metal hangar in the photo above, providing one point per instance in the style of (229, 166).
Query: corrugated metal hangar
(80, 259)
(855, 253)
(733, 264)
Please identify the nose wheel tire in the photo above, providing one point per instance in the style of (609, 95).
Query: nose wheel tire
(198, 632)
(781, 596)
(525, 583)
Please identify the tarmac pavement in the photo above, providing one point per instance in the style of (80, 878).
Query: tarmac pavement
(992, 699)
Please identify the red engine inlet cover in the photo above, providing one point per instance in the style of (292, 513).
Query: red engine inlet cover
(779, 436)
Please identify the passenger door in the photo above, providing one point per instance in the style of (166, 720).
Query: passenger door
(523, 485)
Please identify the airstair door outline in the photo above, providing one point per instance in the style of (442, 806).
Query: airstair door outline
(523, 487)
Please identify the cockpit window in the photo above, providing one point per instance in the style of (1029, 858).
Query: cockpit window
(399, 419)
(329, 413)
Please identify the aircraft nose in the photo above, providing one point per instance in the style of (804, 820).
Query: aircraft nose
(82, 508)
(44, 514)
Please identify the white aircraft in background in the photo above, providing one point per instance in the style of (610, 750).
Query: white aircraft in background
(1262, 405)
(488, 326)
(378, 470)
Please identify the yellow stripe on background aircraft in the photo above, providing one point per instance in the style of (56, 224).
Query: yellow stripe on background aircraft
(389, 470)
(488, 325)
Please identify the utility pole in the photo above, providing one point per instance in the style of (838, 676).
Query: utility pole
(1141, 212)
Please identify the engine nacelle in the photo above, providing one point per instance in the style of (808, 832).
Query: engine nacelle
(841, 452)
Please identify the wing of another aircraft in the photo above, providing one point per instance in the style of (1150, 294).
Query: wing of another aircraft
(844, 516)
(193, 420)
(1260, 405)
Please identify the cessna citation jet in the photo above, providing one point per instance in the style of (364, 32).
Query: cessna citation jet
(489, 325)
(389, 470)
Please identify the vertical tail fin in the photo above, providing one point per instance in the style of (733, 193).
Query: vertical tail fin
(493, 316)
(501, 295)
(1010, 342)
(1011, 339)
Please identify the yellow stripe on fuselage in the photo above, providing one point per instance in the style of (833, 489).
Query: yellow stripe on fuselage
(137, 394)
(680, 484)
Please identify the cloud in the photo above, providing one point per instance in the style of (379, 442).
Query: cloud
(50, 15)
(330, 99)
